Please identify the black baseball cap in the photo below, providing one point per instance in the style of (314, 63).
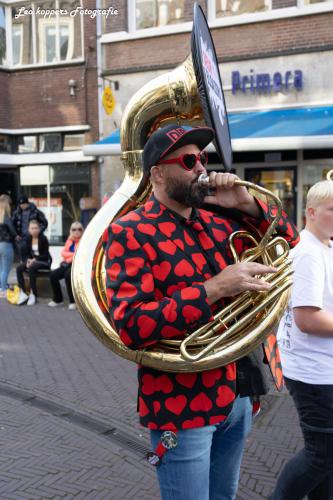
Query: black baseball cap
(23, 199)
(171, 137)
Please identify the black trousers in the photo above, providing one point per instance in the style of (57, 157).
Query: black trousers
(310, 471)
(32, 271)
(62, 272)
(22, 249)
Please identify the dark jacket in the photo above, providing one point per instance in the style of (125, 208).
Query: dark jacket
(7, 231)
(34, 214)
(43, 249)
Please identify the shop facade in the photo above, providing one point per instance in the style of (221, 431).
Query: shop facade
(55, 179)
(276, 67)
(288, 100)
(49, 109)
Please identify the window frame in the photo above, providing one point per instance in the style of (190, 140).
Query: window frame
(3, 5)
(134, 17)
(9, 4)
(42, 25)
(9, 139)
(42, 141)
(14, 142)
(270, 14)
(17, 145)
(266, 2)
(65, 134)
(20, 25)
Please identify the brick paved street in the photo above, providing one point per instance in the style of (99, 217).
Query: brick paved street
(68, 424)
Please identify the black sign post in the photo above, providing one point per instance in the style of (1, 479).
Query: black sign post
(210, 85)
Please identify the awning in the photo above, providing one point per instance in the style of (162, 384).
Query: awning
(109, 146)
(279, 129)
(45, 158)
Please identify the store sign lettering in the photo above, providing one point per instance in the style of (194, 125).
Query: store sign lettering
(266, 82)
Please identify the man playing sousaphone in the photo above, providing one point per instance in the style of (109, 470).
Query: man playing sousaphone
(168, 267)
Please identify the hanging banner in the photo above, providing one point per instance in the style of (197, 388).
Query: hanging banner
(210, 85)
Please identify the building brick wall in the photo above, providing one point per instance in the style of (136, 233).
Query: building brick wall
(39, 97)
(89, 77)
(4, 102)
(112, 24)
(91, 105)
(299, 34)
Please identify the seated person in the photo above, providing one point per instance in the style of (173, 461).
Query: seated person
(64, 271)
(38, 257)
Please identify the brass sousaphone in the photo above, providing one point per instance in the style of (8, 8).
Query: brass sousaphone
(191, 95)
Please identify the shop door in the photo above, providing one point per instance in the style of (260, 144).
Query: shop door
(281, 181)
(9, 184)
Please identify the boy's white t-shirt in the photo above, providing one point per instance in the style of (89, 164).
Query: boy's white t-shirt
(307, 357)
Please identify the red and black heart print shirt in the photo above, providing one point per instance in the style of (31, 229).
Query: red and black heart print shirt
(156, 264)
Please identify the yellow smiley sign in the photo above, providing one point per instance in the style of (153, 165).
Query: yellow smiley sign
(108, 100)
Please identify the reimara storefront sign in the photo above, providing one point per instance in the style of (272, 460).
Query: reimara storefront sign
(266, 82)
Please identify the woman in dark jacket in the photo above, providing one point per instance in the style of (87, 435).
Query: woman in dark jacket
(38, 258)
(24, 213)
(7, 235)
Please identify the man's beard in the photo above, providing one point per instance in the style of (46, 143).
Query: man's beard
(189, 194)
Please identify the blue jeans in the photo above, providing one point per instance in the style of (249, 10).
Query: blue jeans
(206, 462)
(310, 471)
(6, 261)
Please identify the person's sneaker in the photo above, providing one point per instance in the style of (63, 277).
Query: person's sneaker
(22, 298)
(31, 300)
(2, 294)
(72, 307)
(55, 304)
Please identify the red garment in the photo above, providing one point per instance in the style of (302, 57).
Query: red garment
(66, 253)
(156, 265)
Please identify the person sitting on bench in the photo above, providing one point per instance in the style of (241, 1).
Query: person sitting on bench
(38, 257)
(64, 271)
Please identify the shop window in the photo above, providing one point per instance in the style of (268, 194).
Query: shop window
(281, 181)
(73, 142)
(27, 144)
(50, 143)
(152, 13)
(2, 35)
(57, 191)
(70, 173)
(5, 144)
(236, 7)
